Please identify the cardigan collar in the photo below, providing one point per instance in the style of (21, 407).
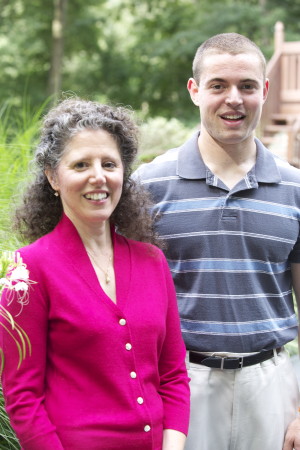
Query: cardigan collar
(68, 239)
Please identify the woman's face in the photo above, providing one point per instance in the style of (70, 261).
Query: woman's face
(89, 177)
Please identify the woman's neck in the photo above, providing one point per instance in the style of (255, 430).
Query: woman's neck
(96, 237)
(97, 241)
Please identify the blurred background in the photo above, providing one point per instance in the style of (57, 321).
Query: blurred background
(134, 52)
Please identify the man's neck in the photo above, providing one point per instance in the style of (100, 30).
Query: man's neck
(229, 162)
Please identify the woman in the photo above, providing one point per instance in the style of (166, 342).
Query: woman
(107, 367)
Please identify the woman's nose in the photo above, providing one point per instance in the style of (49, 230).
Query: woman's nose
(97, 175)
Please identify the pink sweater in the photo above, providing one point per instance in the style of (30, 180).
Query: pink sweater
(102, 375)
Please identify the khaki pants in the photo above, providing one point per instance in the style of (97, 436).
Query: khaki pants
(244, 409)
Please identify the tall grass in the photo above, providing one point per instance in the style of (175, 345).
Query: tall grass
(18, 133)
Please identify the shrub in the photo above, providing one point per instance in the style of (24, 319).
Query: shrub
(159, 134)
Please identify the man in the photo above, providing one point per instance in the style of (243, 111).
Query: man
(229, 211)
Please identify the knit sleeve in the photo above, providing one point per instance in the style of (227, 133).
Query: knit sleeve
(24, 387)
(174, 382)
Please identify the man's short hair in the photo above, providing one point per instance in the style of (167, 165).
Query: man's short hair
(231, 43)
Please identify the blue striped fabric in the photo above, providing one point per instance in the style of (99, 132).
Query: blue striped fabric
(229, 251)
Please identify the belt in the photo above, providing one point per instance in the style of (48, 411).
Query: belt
(230, 362)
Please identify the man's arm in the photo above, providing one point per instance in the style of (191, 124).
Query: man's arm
(292, 437)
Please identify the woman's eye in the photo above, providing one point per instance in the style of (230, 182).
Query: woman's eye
(109, 165)
(80, 165)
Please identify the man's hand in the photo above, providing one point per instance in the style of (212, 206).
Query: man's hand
(292, 437)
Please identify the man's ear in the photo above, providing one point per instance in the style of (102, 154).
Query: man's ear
(193, 90)
(51, 176)
(266, 89)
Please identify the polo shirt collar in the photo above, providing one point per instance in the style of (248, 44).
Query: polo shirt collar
(266, 169)
(190, 164)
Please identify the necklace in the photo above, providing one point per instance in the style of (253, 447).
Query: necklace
(106, 272)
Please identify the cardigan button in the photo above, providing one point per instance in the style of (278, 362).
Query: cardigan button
(147, 428)
(128, 346)
(122, 322)
(133, 374)
(140, 400)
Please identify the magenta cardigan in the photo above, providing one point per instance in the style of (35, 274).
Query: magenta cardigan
(102, 375)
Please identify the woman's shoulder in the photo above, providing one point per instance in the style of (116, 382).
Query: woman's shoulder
(51, 243)
(38, 250)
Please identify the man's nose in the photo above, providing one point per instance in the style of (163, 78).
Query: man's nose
(234, 96)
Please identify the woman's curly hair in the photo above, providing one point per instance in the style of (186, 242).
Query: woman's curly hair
(40, 210)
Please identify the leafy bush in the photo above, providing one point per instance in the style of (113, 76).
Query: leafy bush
(159, 134)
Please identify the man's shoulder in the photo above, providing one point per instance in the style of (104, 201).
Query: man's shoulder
(165, 166)
(287, 171)
(272, 167)
(161, 166)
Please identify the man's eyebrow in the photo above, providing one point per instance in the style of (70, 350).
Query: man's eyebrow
(220, 80)
(223, 80)
(249, 80)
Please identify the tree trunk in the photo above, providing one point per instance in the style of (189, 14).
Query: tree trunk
(264, 31)
(58, 27)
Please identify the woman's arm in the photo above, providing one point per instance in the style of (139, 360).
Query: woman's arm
(173, 440)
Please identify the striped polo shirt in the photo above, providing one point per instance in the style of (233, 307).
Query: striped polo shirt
(229, 251)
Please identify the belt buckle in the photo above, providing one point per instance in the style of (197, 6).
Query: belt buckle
(240, 361)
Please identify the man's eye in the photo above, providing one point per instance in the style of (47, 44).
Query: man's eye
(247, 87)
(217, 87)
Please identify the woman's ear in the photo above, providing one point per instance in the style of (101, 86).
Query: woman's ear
(51, 176)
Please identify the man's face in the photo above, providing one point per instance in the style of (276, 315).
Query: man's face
(230, 96)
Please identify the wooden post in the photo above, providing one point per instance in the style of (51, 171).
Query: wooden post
(278, 36)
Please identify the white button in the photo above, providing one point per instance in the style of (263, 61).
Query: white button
(122, 322)
(128, 346)
(133, 374)
(147, 428)
(140, 400)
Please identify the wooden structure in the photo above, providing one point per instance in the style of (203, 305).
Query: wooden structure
(281, 112)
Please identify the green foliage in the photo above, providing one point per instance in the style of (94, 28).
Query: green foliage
(137, 53)
(160, 134)
(292, 347)
(8, 440)
(18, 132)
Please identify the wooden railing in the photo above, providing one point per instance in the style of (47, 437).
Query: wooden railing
(272, 104)
(282, 107)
